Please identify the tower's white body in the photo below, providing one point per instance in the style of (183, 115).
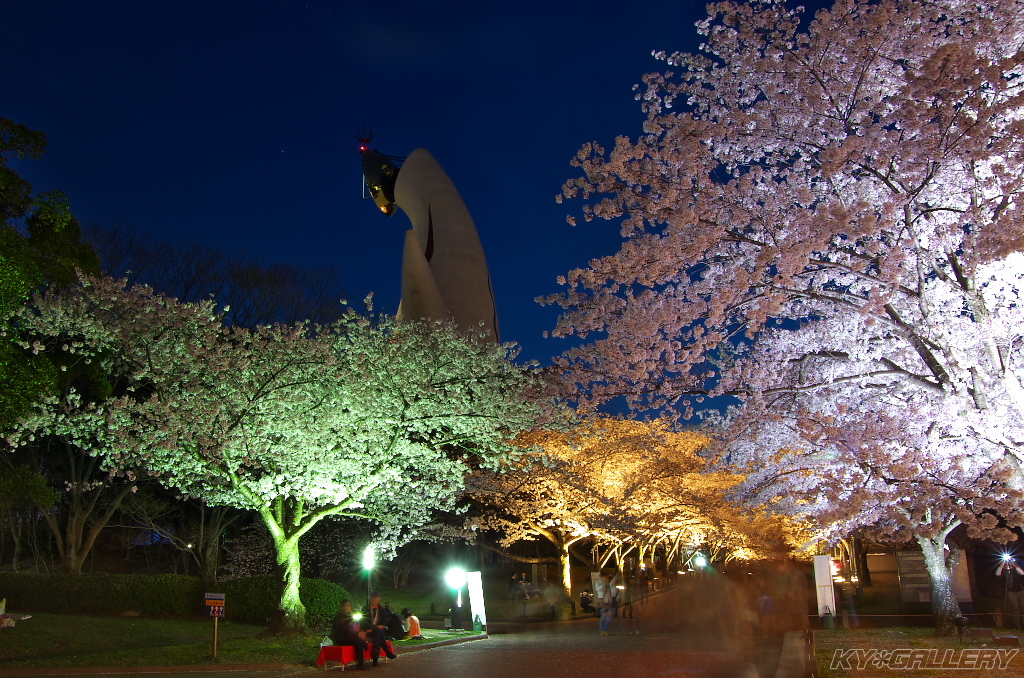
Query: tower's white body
(444, 272)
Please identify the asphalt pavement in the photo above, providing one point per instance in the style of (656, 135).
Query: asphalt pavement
(682, 633)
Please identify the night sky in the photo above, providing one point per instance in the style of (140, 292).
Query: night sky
(234, 123)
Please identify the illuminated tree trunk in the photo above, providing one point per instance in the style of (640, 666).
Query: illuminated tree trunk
(284, 521)
(565, 564)
(291, 613)
(941, 559)
(287, 520)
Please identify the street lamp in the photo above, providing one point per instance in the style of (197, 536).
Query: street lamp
(455, 578)
(700, 561)
(368, 563)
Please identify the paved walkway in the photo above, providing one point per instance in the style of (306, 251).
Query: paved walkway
(682, 634)
(673, 642)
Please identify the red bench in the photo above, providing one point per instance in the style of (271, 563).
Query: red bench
(344, 654)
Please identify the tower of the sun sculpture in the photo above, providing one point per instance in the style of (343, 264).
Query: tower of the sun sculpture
(444, 271)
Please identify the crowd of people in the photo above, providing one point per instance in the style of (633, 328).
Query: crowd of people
(616, 597)
(372, 629)
(742, 607)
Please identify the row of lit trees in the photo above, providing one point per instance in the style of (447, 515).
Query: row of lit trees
(355, 416)
(823, 227)
(364, 417)
(621, 487)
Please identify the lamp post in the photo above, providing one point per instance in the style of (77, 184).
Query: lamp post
(368, 563)
(456, 579)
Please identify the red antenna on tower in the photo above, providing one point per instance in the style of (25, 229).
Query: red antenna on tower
(364, 139)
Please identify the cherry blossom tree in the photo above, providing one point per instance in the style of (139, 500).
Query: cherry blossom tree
(625, 485)
(822, 222)
(364, 418)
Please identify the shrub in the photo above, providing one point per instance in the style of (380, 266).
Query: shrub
(157, 595)
(321, 599)
(251, 600)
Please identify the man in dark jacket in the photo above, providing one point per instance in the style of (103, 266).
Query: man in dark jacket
(375, 622)
(1013, 592)
(396, 629)
(346, 630)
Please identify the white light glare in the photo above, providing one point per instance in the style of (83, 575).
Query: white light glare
(455, 578)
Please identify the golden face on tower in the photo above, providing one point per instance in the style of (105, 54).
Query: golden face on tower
(380, 173)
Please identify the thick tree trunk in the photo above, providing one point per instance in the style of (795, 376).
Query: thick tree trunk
(941, 561)
(287, 520)
(862, 561)
(291, 613)
(564, 565)
(220, 518)
(211, 560)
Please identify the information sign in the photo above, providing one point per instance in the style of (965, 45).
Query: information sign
(214, 605)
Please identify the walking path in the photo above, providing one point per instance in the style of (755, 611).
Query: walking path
(681, 635)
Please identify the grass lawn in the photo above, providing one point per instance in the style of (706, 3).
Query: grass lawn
(901, 638)
(49, 640)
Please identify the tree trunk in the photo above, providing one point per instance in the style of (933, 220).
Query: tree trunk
(211, 560)
(287, 520)
(862, 561)
(564, 564)
(291, 613)
(18, 525)
(941, 563)
(212, 529)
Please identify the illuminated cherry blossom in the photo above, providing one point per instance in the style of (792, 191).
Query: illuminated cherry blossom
(824, 225)
(362, 418)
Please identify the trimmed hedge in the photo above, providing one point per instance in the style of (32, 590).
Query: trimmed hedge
(251, 600)
(156, 595)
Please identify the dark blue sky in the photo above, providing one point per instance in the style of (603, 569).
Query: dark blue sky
(233, 122)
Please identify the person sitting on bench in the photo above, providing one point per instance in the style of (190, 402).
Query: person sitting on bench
(375, 623)
(587, 601)
(345, 630)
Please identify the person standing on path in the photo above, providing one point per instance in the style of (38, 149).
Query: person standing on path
(627, 612)
(607, 599)
(1013, 615)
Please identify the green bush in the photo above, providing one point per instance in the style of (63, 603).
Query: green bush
(251, 600)
(159, 595)
(321, 599)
